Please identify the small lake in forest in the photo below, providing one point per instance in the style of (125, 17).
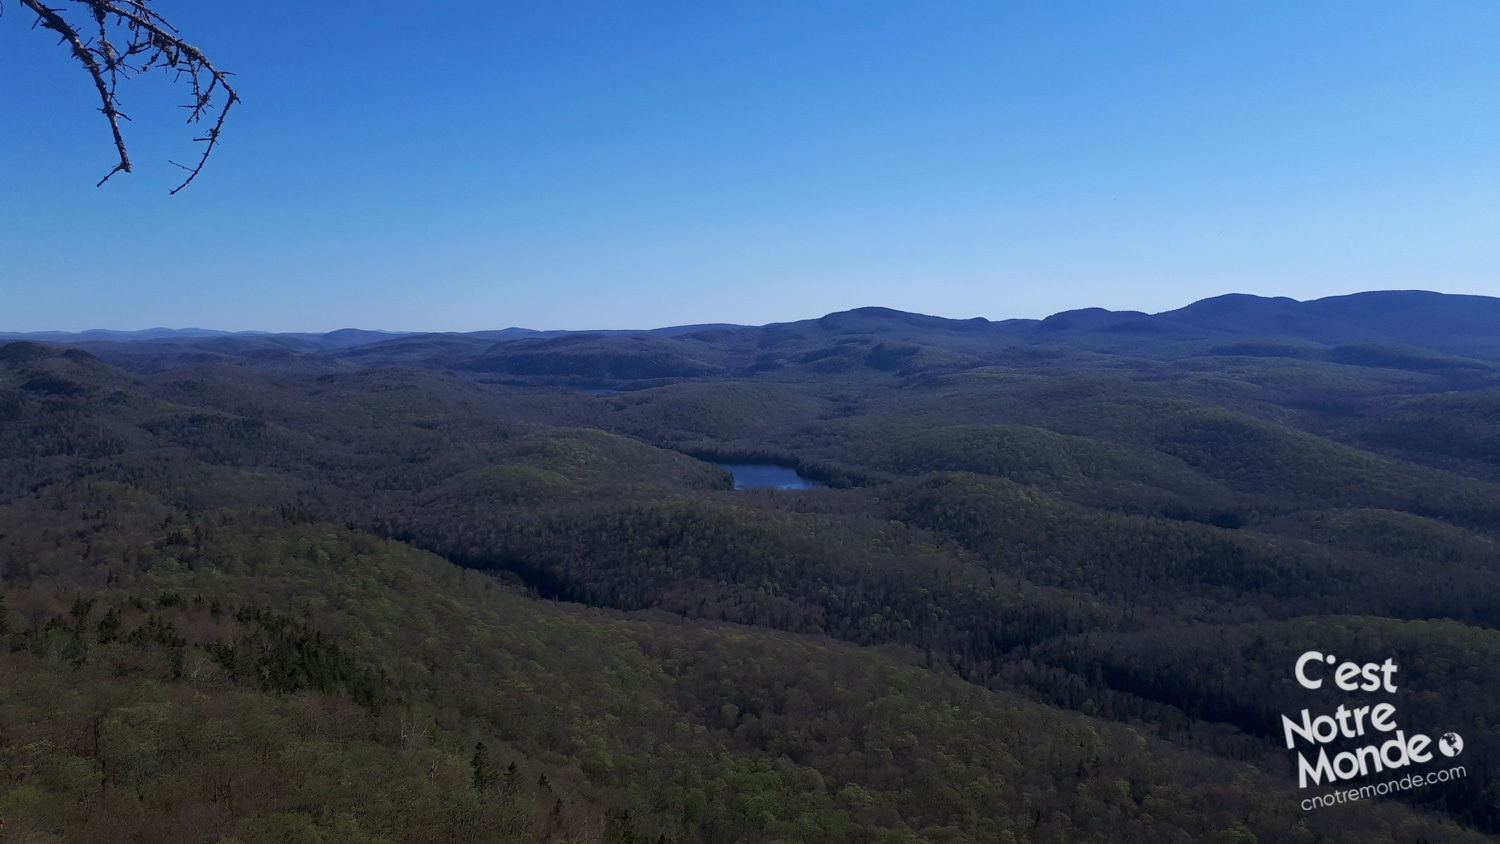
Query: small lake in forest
(750, 475)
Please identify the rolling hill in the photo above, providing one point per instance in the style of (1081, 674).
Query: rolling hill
(491, 587)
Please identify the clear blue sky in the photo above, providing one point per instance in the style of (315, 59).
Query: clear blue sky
(553, 164)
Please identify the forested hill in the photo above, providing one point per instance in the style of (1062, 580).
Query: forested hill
(1403, 329)
(491, 587)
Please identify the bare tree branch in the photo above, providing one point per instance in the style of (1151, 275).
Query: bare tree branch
(148, 42)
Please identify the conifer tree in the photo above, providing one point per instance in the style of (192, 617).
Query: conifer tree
(484, 774)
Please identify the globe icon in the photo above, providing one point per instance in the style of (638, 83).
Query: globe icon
(1451, 744)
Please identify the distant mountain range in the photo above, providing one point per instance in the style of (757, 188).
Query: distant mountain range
(1415, 330)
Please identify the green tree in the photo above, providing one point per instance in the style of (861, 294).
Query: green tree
(484, 772)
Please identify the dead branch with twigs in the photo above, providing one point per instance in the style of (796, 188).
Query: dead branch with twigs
(143, 41)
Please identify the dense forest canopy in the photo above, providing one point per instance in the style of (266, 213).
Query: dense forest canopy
(373, 587)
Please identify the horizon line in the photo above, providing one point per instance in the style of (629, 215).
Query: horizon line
(23, 335)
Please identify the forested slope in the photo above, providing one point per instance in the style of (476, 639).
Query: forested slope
(1054, 592)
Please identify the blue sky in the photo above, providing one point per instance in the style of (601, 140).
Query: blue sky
(638, 164)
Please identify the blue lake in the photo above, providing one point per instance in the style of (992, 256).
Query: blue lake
(748, 475)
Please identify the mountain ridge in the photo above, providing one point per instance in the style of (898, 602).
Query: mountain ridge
(1385, 329)
(1201, 313)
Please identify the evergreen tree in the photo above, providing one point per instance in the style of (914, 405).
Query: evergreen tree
(484, 774)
